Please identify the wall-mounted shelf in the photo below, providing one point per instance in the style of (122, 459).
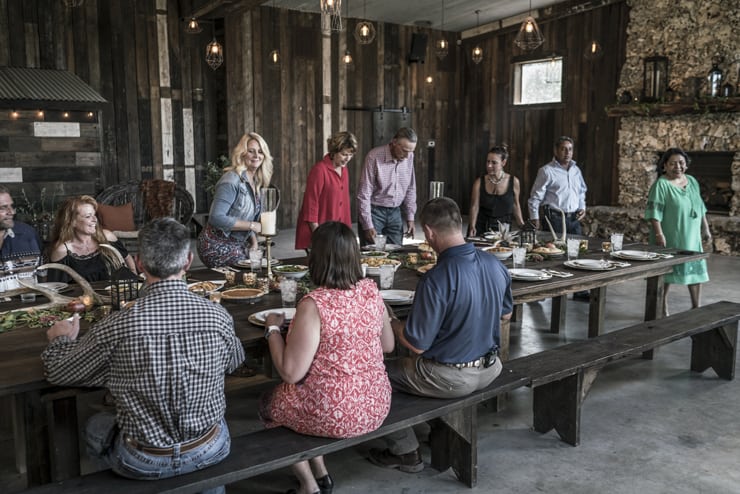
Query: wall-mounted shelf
(714, 105)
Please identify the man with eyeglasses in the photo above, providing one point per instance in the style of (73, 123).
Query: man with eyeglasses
(16, 238)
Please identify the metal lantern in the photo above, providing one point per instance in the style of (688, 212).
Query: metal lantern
(714, 80)
(655, 78)
(527, 235)
(124, 287)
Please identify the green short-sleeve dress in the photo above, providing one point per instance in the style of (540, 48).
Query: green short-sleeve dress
(680, 212)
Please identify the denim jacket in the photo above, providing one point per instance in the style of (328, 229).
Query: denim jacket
(233, 200)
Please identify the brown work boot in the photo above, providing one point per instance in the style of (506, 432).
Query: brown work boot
(408, 463)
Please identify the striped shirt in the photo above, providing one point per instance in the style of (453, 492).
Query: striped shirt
(163, 360)
(386, 182)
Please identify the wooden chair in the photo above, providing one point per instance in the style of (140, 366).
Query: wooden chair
(183, 207)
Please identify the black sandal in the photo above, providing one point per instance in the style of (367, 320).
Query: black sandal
(326, 484)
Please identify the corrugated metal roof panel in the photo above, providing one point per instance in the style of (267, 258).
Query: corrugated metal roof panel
(45, 85)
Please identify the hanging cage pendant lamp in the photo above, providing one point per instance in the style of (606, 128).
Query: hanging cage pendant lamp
(274, 57)
(214, 54)
(332, 10)
(441, 47)
(529, 36)
(365, 30)
(193, 26)
(477, 53)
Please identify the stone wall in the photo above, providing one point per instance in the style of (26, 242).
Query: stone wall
(689, 33)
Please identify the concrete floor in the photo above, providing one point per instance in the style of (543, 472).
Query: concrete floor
(646, 426)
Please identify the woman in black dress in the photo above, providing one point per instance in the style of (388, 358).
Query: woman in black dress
(495, 196)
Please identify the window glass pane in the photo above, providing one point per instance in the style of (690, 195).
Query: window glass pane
(539, 81)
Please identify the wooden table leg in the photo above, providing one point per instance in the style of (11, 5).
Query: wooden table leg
(653, 305)
(516, 315)
(557, 318)
(34, 428)
(454, 443)
(596, 306)
(63, 438)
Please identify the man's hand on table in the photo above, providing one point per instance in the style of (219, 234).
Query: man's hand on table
(65, 328)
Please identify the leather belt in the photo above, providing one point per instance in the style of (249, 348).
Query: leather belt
(184, 447)
(486, 360)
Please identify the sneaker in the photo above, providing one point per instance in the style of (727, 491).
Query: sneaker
(408, 463)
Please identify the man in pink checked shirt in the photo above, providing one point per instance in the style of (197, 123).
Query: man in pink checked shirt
(387, 190)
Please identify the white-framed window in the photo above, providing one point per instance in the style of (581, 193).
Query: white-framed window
(538, 82)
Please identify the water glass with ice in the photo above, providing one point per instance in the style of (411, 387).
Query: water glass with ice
(387, 272)
(255, 260)
(380, 242)
(288, 291)
(617, 239)
(573, 245)
(519, 254)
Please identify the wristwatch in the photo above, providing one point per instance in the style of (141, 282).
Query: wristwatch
(271, 329)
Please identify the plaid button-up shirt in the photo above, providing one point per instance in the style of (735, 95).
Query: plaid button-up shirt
(164, 361)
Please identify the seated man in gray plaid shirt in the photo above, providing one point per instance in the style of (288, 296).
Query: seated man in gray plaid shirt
(163, 359)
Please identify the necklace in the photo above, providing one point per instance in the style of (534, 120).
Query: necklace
(497, 180)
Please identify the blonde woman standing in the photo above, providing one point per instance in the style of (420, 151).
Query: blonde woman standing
(233, 221)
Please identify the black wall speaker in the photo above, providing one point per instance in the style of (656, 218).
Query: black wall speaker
(418, 48)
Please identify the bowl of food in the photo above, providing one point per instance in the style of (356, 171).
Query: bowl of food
(501, 253)
(236, 294)
(295, 271)
(374, 253)
(374, 263)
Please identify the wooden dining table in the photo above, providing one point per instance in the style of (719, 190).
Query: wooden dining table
(45, 416)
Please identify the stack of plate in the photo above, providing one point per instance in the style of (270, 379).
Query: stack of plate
(635, 255)
(522, 274)
(258, 318)
(397, 297)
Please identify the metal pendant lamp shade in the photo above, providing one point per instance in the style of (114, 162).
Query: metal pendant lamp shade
(214, 54)
(441, 46)
(477, 53)
(365, 30)
(332, 10)
(529, 36)
(193, 26)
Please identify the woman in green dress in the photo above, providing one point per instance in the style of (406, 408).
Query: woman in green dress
(677, 214)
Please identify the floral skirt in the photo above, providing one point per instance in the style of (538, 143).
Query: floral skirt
(217, 249)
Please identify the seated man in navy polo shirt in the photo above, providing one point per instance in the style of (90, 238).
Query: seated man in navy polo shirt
(453, 329)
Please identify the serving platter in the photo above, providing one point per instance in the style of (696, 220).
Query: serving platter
(258, 318)
(388, 247)
(56, 286)
(375, 270)
(590, 264)
(635, 255)
(244, 263)
(397, 297)
(425, 268)
(210, 286)
(523, 274)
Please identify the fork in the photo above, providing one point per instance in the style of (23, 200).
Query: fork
(559, 274)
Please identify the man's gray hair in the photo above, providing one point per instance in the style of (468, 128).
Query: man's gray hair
(406, 133)
(164, 245)
(441, 214)
(563, 139)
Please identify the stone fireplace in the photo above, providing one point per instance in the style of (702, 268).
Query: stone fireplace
(690, 33)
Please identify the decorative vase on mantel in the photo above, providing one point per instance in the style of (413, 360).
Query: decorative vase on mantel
(714, 80)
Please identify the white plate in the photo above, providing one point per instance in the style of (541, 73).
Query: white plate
(219, 284)
(522, 274)
(635, 255)
(262, 315)
(590, 265)
(56, 286)
(397, 297)
(388, 247)
(244, 263)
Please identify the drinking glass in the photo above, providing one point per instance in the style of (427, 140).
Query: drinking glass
(573, 245)
(519, 254)
(364, 270)
(436, 189)
(387, 272)
(28, 297)
(380, 242)
(617, 239)
(255, 260)
(288, 291)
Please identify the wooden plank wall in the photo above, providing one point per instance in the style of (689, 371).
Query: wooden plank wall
(284, 104)
(489, 118)
(169, 115)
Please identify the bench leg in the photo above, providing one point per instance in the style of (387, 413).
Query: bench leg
(653, 305)
(454, 443)
(557, 317)
(63, 438)
(557, 405)
(715, 349)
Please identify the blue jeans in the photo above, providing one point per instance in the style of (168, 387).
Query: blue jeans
(572, 225)
(388, 221)
(106, 443)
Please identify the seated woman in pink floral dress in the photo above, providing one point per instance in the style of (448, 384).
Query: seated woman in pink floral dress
(331, 362)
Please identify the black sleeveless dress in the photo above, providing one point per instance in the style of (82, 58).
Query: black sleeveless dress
(92, 267)
(493, 208)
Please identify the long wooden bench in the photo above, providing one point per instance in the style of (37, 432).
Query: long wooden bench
(560, 378)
